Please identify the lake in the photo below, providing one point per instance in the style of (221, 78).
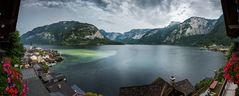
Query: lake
(104, 69)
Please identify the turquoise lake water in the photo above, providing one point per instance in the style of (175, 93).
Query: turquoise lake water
(104, 69)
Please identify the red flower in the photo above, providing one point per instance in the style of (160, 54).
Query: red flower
(13, 76)
(13, 91)
(231, 69)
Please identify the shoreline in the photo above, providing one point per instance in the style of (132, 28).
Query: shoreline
(40, 60)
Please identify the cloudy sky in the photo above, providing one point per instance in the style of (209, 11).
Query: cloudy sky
(114, 15)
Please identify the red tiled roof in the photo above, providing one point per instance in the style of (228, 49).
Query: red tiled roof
(213, 85)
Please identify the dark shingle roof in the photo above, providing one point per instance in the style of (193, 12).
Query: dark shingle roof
(184, 86)
(56, 94)
(78, 90)
(61, 87)
(158, 88)
(36, 88)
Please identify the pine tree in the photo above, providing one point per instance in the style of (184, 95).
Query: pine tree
(14, 49)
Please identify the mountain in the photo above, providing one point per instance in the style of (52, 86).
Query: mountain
(216, 36)
(111, 35)
(172, 23)
(195, 31)
(191, 27)
(66, 33)
(158, 35)
(171, 34)
(131, 36)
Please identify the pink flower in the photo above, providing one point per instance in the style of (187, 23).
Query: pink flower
(8, 80)
(6, 65)
(13, 76)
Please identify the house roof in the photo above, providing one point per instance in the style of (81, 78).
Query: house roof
(184, 86)
(149, 90)
(56, 94)
(49, 77)
(36, 67)
(36, 88)
(78, 90)
(28, 73)
(158, 88)
(62, 88)
(46, 77)
(213, 85)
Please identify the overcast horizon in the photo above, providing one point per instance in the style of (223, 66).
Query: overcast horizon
(114, 15)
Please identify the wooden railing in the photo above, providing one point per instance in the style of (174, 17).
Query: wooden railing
(197, 93)
(222, 90)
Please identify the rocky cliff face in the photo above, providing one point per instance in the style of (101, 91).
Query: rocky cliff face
(65, 33)
(131, 36)
(190, 27)
(170, 34)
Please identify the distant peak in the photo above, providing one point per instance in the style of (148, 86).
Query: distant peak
(199, 18)
(173, 23)
(195, 17)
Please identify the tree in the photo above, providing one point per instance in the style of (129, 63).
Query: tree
(93, 94)
(14, 49)
(45, 68)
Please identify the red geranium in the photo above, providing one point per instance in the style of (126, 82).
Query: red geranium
(13, 80)
(231, 70)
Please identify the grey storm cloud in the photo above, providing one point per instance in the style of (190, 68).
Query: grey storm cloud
(162, 4)
(122, 15)
(111, 5)
(65, 3)
(99, 3)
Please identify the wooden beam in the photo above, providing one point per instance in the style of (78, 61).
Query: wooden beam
(9, 10)
(233, 27)
(230, 17)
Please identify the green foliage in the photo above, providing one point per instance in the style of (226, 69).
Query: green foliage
(203, 83)
(45, 68)
(237, 92)
(220, 75)
(3, 80)
(92, 94)
(232, 48)
(14, 48)
(15, 59)
(64, 33)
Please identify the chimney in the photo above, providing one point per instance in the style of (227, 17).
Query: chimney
(172, 78)
(59, 86)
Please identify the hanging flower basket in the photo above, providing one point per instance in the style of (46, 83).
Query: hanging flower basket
(231, 69)
(11, 83)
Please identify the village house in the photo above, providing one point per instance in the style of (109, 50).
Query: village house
(159, 88)
(63, 89)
